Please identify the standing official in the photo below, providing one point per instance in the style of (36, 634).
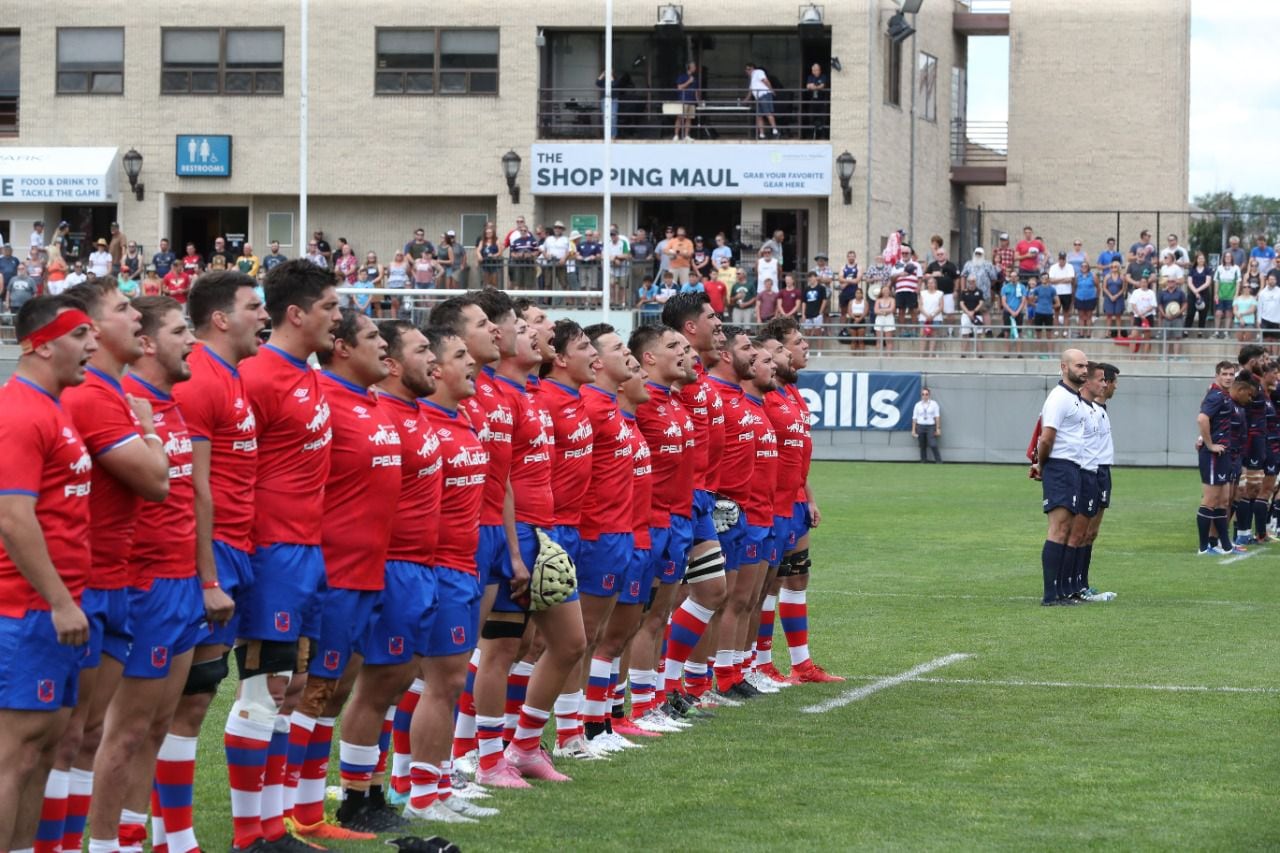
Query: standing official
(926, 425)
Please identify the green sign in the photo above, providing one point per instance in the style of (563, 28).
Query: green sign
(582, 222)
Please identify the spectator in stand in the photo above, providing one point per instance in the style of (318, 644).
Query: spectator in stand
(693, 286)
(55, 271)
(163, 259)
(426, 270)
(768, 265)
(1013, 302)
(1180, 255)
(850, 273)
(973, 314)
(789, 297)
(1237, 251)
(1004, 257)
(1200, 293)
(152, 285)
(323, 247)
(629, 260)
(855, 310)
(877, 276)
(374, 275)
(127, 284)
(1263, 254)
(826, 277)
(766, 302)
(20, 289)
(76, 276)
(555, 257)
(1170, 269)
(816, 296)
(777, 248)
(718, 294)
(679, 250)
(743, 299)
(926, 426)
(688, 93)
(885, 308)
(906, 287)
(36, 241)
(398, 274)
(1044, 305)
(667, 287)
(177, 283)
(647, 301)
(100, 259)
(1245, 308)
(983, 273)
(220, 251)
(1109, 254)
(362, 302)
(420, 245)
(453, 257)
(942, 270)
(1063, 278)
(192, 262)
(589, 250)
(931, 314)
(1269, 308)
(346, 263)
(1171, 324)
(1144, 250)
(818, 102)
(131, 261)
(61, 239)
(1143, 304)
(8, 264)
(1077, 256)
(117, 246)
(660, 251)
(1086, 298)
(520, 226)
(761, 90)
(721, 250)
(1251, 280)
(521, 257)
(701, 260)
(488, 257)
(1114, 289)
(315, 256)
(1136, 271)
(1030, 252)
(248, 263)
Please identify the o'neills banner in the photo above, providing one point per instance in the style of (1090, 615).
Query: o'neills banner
(711, 169)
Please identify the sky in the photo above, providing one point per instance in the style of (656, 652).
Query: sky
(1235, 94)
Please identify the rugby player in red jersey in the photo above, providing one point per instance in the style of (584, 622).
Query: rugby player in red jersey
(166, 607)
(360, 494)
(280, 606)
(608, 541)
(457, 618)
(44, 563)
(793, 606)
(397, 643)
(127, 469)
(227, 315)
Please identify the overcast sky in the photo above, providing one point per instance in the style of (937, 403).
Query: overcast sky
(1235, 94)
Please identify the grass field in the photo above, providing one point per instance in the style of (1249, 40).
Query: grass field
(1151, 722)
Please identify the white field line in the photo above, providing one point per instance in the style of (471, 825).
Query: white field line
(876, 686)
(1235, 558)
(962, 597)
(1074, 685)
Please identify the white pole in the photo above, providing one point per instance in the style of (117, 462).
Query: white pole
(302, 132)
(606, 262)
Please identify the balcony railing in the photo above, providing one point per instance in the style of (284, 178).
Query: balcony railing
(979, 143)
(577, 113)
(8, 115)
(987, 7)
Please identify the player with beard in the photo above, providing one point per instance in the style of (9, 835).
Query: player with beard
(278, 617)
(608, 541)
(1218, 411)
(227, 315)
(362, 489)
(166, 608)
(456, 625)
(130, 466)
(760, 511)
(45, 561)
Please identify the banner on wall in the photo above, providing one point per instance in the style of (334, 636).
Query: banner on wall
(723, 169)
(66, 175)
(851, 400)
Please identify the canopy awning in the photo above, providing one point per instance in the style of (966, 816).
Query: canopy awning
(58, 174)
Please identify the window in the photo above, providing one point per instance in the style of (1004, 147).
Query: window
(472, 228)
(222, 62)
(91, 61)
(893, 72)
(9, 84)
(444, 62)
(927, 83)
(280, 229)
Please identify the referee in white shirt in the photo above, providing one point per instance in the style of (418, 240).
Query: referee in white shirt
(926, 425)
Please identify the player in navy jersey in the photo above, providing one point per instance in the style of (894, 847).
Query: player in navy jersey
(44, 561)
(1253, 455)
(1218, 410)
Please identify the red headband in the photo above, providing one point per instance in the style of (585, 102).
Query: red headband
(60, 325)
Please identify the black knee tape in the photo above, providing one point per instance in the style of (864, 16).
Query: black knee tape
(784, 568)
(705, 567)
(205, 676)
(264, 657)
(653, 595)
(500, 629)
(800, 563)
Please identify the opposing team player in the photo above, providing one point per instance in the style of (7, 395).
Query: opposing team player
(279, 613)
(1219, 411)
(130, 466)
(227, 314)
(1254, 457)
(44, 562)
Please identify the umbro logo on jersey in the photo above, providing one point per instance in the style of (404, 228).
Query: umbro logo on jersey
(69, 435)
(361, 412)
(301, 395)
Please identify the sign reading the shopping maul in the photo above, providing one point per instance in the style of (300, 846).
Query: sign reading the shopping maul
(202, 156)
(759, 169)
(844, 399)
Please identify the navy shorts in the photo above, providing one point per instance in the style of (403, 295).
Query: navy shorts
(39, 673)
(639, 578)
(402, 624)
(603, 566)
(1104, 486)
(457, 624)
(1061, 482)
(283, 603)
(752, 545)
(704, 526)
(1086, 305)
(235, 576)
(1215, 468)
(168, 620)
(1255, 456)
(1090, 497)
(492, 560)
(677, 552)
(110, 631)
(527, 536)
(346, 616)
(1271, 467)
(1236, 468)
(729, 542)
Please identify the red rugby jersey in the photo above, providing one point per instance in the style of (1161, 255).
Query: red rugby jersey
(363, 487)
(416, 528)
(694, 398)
(294, 440)
(715, 434)
(741, 424)
(641, 484)
(216, 409)
(794, 393)
(105, 421)
(790, 426)
(465, 462)
(164, 545)
(532, 446)
(45, 459)
(573, 457)
(668, 429)
(607, 506)
(490, 410)
(764, 481)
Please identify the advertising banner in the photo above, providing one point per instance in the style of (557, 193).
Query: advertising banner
(847, 399)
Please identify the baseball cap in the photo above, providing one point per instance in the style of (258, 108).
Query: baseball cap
(1004, 235)
(558, 224)
(822, 255)
(63, 224)
(978, 251)
(451, 233)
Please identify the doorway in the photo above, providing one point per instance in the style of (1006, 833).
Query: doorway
(700, 218)
(87, 223)
(794, 225)
(201, 225)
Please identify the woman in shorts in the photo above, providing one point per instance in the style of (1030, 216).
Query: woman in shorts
(1245, 308)
(1226, 279)
(1086, 299)
(886, 306)
(1113, 299)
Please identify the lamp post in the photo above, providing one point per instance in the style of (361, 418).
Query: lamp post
(845, 166)
(511, 170)
(132, 162)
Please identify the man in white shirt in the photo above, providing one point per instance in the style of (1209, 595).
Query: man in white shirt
(37, 235)
(1180, 255)
(926, 425)
(1063, 278)
(1269, 308)
(767, 267)
(76, 276)
(555, 254)
(100, 259)
(759, 88)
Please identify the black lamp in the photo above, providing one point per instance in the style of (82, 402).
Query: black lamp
(845, 165)
(511, 170)
(899, 29)
(133, 168)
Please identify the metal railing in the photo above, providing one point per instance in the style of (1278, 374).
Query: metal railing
(8, 115)
(979, 143)
(577, 113)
